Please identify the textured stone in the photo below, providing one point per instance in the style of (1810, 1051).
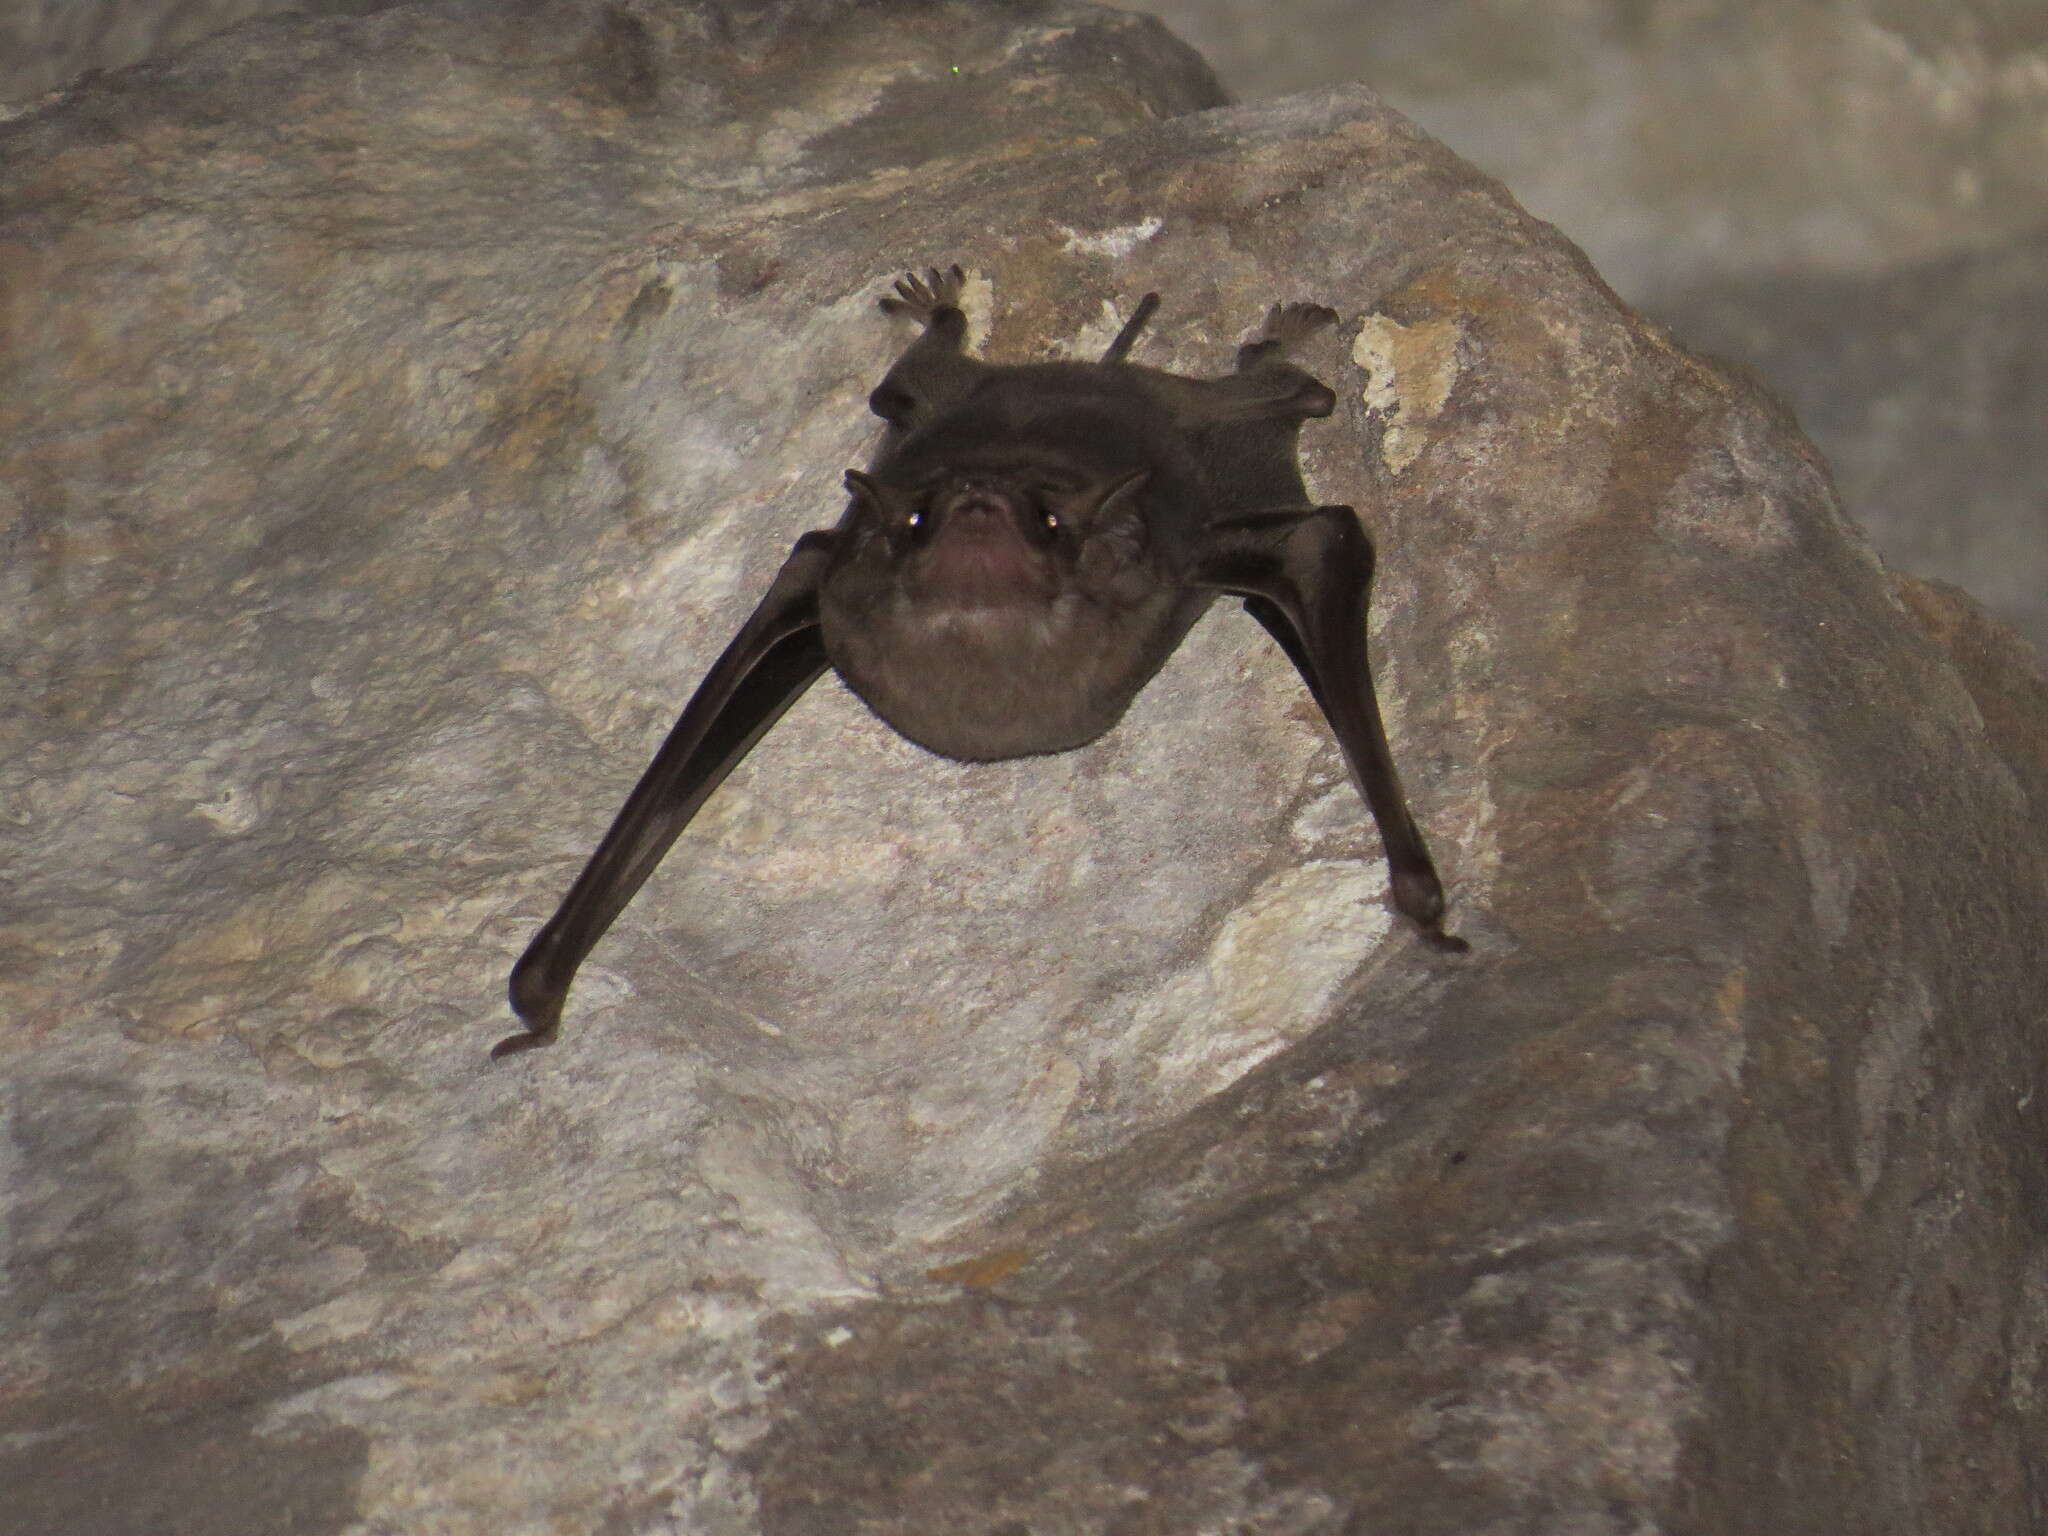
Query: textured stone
(43, 46)
(1687, 139)
(1847, 196)
(1936, 443)
(401, 411)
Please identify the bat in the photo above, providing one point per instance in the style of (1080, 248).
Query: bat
(1027, 547)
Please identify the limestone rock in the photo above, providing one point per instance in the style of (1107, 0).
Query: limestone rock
(1683, 140)
(44, 46)
(1926, 388)
(400, 411)
(1847, 196)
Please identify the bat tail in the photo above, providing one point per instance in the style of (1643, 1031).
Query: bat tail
(1133, 328)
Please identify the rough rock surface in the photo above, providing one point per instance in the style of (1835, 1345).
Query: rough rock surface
(1928, 387)
(399, 413)
(1685, 139)
(42, 46)
(1847, 195)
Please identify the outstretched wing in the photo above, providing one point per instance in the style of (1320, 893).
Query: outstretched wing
(776, 655)
(1306, 575)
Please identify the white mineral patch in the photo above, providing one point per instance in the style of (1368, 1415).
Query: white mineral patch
(1411, 369)
(1117, 243)
(1268, 977)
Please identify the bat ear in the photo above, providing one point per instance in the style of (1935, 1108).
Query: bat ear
(892, 402)
(869, 492)
(875, 498)
(1114, 496)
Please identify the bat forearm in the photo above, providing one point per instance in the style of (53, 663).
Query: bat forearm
(773, 659)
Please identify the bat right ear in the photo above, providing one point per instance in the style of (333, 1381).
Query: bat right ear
(889, 506)
(892, 402)
(1109, 496)
(873, 497)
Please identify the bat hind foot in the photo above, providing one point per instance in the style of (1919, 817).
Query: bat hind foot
(1287, 327)
(923, 298)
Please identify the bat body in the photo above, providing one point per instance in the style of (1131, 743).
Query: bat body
(1028, 547)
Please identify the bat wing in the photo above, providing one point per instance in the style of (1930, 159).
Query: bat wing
(1306, 575)
(776, 655)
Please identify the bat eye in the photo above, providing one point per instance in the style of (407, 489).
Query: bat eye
(1052, 522)
(914, 521)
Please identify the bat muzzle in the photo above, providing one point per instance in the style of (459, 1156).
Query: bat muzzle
(982, 509)
(981, 543)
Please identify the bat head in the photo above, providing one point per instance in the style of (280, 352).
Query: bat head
(1004, 592)
(980, 544)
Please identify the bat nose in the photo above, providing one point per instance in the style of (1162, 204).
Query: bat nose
(992, 508)
(980, 501)
(976, 508)
(976, 494)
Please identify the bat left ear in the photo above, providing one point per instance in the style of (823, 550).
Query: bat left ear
(1109, 497)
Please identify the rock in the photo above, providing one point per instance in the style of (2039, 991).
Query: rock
(402, 410)
(1925, 387)
(43, 46)
(1683, 140)
(1862, 178)
(1847, 197)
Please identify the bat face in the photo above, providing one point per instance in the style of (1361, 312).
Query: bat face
(1029, 545)
(1005, 587)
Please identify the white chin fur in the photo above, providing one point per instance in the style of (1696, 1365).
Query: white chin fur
(1005, 627)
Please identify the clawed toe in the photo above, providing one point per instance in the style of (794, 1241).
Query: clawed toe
(922, 296)
(1289, 324)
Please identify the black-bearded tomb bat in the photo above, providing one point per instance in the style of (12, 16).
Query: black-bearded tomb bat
(1029, 545)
